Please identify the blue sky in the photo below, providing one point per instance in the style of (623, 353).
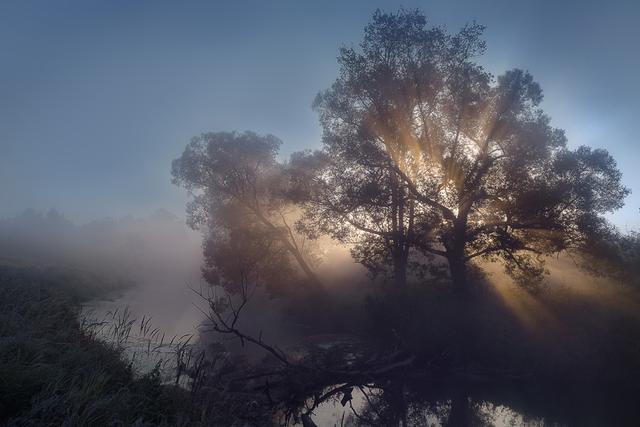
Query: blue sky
(97, 97)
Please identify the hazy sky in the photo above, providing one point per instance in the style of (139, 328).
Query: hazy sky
(97, 97)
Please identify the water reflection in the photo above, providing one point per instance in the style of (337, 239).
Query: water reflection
(458, 404)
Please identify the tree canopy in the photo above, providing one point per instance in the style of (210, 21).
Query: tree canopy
(427, 160)
(240, 202)
(426, 153)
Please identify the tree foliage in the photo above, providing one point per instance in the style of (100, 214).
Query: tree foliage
(240, 201)
(427, 160)
(426, 153)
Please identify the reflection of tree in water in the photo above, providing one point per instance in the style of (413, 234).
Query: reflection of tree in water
(403, 406)
(458, 405)
(395, 405)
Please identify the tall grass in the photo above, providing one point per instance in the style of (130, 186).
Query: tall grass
(56, 369)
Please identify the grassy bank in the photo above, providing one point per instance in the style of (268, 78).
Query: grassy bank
(54, 372)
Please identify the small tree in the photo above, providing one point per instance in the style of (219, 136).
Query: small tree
(240, 202)
(426, 152)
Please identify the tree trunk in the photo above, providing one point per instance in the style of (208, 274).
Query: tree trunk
(400, 269)
(462, 328)
(289, 242)
(302, 262)
(398, 252)
(457, 257)
(458, 271)
(460, 411)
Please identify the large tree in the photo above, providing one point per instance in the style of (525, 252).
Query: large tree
(240, 201)
(425, 152)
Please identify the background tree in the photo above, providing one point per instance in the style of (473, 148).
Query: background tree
(613, 254)
(425, 151)
(240, 202)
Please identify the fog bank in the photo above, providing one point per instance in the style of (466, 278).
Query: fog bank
(158, 255)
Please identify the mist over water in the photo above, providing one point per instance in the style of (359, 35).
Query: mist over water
(157, 260)
(154, 257)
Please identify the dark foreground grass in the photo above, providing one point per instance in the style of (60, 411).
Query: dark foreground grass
(54, 372)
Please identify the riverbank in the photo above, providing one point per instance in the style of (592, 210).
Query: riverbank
(53, 371)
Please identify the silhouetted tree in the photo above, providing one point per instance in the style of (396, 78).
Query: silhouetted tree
(364, 206)
(240, 202)
(424, 151)
(612, 254)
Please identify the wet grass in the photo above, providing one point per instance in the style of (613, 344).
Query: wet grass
(55, 371)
